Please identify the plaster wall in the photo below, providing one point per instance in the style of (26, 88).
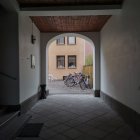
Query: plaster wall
(120, 56)
(9, 72)
(29, 77)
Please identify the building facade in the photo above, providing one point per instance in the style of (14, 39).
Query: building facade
(66, 55)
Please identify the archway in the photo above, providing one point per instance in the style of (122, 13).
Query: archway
(70, 34)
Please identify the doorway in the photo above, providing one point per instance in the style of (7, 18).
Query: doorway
(69, 53)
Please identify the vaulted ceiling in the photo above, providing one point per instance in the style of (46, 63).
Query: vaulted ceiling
(89, 23)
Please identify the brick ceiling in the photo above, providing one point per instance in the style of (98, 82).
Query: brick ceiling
(68, 23)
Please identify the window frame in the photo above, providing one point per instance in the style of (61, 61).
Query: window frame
(68, 41)
(58, 60)
(58, 42)
(75, 61)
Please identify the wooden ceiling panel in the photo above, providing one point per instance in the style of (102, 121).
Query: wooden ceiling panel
(70, 23)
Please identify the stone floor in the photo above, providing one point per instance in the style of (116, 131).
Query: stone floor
(70, 116)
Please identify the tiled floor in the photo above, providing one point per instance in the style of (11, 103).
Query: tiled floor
(78, 117)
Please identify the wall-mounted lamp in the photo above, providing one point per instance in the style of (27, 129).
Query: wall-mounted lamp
(33, 38)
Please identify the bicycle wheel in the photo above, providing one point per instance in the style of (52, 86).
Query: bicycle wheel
(65, 81)
(70, 82)
(82, 85)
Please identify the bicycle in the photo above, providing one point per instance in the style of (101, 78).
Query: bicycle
(84, 83)
(67, 79)
(73, 80)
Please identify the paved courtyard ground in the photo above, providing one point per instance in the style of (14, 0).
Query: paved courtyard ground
(72, 114)
(58, 87)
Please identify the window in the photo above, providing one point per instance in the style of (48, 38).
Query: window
(60, 61)
(71, 40)
(72, 61)
(60, 41)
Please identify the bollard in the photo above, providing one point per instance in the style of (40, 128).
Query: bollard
(43, 91)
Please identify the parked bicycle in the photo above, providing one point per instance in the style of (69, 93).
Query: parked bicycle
(84, 83)
(77, 78)
(67, 79)
(72, 80)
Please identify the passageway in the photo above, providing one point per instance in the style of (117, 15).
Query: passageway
(28, 27)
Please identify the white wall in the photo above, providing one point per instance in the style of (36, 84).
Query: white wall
(9, 74)
(120, 56)
(29, 78)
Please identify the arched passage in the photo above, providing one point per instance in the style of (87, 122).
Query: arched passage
(47, 38)
(69, 34)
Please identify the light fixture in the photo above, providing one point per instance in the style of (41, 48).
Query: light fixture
(33, 38)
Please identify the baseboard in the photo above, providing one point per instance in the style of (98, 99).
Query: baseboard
(24, 106)
(27, 104)
(130, 116)
(11, 108)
